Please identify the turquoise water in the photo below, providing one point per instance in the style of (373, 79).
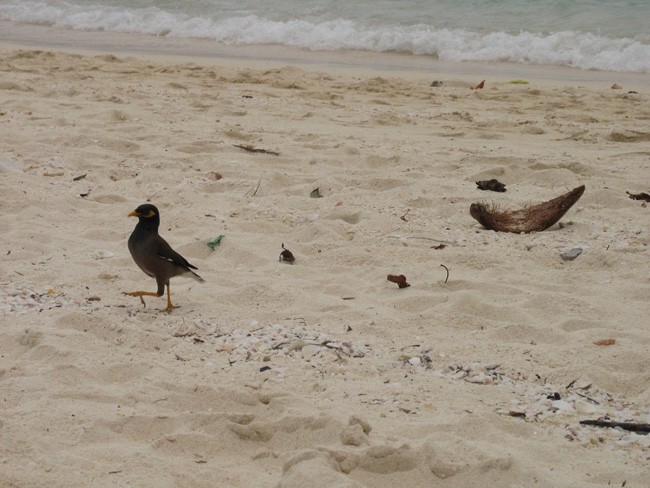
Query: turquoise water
(610, 35)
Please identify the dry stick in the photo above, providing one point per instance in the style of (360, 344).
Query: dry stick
(572, 383)
(632, 426)
(255, 150)
(587, 398)
(447, 269)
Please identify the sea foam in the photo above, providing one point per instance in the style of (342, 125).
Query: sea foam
(569, 48)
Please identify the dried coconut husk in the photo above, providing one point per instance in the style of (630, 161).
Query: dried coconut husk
(533, 218)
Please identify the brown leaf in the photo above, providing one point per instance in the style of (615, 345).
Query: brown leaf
(605, 342)
(399, 279)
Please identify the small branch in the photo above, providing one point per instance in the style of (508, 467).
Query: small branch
(587, 398)
(631, 426)
(255, 150)
(571, 384)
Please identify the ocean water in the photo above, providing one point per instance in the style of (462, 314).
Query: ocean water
(610, 35)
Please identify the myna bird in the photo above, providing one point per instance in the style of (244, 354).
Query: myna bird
(154, 256)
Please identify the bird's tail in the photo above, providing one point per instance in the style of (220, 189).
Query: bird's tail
(195, 276)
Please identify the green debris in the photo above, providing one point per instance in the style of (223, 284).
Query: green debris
(519, 82)
(216, 241)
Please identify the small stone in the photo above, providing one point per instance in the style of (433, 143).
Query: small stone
(102, 254)
(415, 361)
(479, 379)
(571, 254)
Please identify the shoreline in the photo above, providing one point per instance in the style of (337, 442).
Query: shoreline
(322, 373)
(32, 36)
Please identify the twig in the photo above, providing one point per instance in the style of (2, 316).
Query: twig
(423, 238)
(447, 269)
(255, 150)
(572, 383)
(259, 182)
(632, 426)
(587, 398)
(403, 217)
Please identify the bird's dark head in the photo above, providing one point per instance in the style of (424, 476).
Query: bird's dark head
(147, 214)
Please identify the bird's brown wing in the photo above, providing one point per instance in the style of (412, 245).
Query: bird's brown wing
(166, 252)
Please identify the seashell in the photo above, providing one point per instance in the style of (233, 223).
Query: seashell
(102, 254)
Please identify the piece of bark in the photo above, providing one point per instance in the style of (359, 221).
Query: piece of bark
(639, 196)
(535, 218)
(491, 185)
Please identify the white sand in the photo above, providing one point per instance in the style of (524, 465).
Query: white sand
(97, 391)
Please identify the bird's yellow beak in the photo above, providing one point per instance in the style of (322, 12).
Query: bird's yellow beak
(133, 214)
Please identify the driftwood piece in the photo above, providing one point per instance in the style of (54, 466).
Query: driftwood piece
(533, 218)
(631, 426)
(639, 196)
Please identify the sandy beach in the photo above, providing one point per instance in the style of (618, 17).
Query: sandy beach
(321, 373)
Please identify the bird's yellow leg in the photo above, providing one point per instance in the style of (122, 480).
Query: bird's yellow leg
(170, 307)
(140, 294)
